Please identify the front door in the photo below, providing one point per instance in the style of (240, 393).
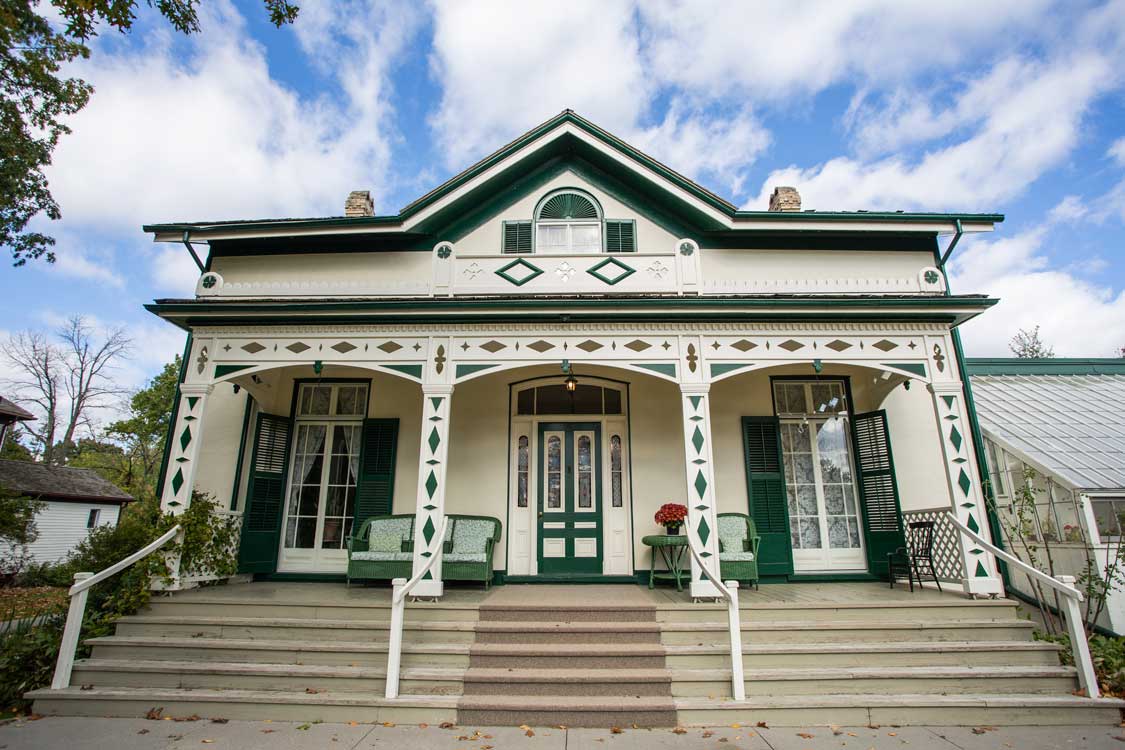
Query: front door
(570, 502)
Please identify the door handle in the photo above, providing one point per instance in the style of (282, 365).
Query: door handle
(540, 514)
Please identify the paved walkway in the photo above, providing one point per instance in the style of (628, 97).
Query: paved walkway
(138, 734)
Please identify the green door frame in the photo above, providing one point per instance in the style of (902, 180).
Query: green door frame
(570, 565)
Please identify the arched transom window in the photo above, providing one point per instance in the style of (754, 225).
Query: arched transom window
(568, 221)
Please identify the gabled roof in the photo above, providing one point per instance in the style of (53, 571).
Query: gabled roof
(59, 483)
(568, 134)
(1062, 415)
(12, 412)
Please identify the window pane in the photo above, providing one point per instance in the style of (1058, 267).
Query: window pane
(585, 238)
(1108, 516)
(551, 238)
(587, 399)
(552, 399)
(525, 401)
(612, 400)
(315, 400)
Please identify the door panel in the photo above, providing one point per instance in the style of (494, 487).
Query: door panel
(570, 503)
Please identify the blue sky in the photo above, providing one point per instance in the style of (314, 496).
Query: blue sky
(1009, 106)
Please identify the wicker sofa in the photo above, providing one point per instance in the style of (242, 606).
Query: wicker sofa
(383, 548)
(738, 548)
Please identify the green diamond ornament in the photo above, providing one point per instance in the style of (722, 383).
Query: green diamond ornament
(431, 484)
(704, 530)
(697, 440)
(178, 481)
(435, 440)
(185, 438)
(428, 530)
(700, 484)
(963, 482)
(611, 271)
(955, 438)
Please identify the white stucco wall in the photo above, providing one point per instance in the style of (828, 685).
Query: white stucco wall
(62, 525)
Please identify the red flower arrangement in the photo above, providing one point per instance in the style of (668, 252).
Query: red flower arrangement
(671, 515)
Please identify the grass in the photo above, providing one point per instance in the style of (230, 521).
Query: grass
(18, 603)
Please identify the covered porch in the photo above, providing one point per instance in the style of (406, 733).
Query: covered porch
(826, 438)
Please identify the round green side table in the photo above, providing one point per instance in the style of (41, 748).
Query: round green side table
(673, 550)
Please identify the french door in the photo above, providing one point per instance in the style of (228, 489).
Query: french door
(570, 503)
(824, 521)
(321, 503)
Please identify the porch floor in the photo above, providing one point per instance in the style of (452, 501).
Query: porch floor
(775, 594)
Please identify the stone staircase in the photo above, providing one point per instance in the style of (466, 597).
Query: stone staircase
(490, 661)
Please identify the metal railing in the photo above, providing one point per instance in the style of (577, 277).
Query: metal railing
(78, 593)
(729, 591)
(1070, 597)
(401, 588)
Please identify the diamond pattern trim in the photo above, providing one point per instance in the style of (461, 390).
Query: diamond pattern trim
(743, 345)
(541, 346)
(615, 272)
(390, 347)
(253, 347)
(343, 347)
(519, 272)
(791, 345)
(297, 347)
(493, 346)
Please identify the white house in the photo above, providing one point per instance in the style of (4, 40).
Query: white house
(551, 345)
(75, 501)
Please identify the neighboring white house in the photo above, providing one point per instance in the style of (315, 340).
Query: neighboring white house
(1052, 426)
(76, 501)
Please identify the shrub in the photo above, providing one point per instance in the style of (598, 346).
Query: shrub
(1108, 654)
(27, 657)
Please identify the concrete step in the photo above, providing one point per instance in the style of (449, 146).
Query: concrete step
(850, 631)
(520, 631)
(571, 711)
(568, 656)
(918, 654)
(569, 613)
(245, 704)
(291, 628)
(208, 675)
(937, 610)
(878, 680)
(969, 709)
(352, 653)
(568, 682)
(378, 608)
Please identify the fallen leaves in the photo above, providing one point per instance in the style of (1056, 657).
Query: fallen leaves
(305, 727)
(761, 725)
(983, 730)
(679, 730)
(446, 725)
(153, 714)
(805, 735)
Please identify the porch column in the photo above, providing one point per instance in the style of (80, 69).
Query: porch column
(432, 455)
(966, 495)
(179, 479)
(699, 471)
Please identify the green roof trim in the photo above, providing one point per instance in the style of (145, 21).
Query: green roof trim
(567, 116)
(1051, 366)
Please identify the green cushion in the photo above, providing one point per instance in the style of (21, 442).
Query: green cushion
(471, 535)
(461, 557)
(736, 556)
(382, 556)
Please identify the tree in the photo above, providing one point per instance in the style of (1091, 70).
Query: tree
(1028, 345)
(131, 457)
(64, 382)
(17, 530)
(38, 37)
(14, 449)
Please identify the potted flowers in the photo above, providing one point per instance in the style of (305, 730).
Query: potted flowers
(671, 516)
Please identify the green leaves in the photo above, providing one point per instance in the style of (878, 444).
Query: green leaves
(35, 99)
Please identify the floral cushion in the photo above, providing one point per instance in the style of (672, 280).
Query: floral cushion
(471, 535)
(371, 556)
(732, 544)
(736, 556)
(464, 557)
(386, 534)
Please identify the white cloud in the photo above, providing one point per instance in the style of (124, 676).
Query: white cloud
(704, 146)
(1082, 319)
(1117, 151)
(1029, 124)
(1070, 208)
(211, 135)
(783, 50)
(506, 66)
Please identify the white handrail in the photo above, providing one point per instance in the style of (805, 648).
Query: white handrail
(729, 591)
(401, 589)
(77, 611)
(1071, 596)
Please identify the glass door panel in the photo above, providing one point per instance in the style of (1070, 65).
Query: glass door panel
(570, 523)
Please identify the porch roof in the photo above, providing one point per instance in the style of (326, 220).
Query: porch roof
(1061, 415)
(953, 310)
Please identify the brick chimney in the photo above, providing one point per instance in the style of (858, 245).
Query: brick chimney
(785, 199)
(359, 203)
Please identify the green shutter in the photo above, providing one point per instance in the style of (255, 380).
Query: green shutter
(882, 516)
(517, 236)
(261, 521)
(620, 236)
(375, 488)
(765, 481)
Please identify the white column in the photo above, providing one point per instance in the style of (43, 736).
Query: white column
(965, 492)
(699, 471)
(179, 479)
(187, 438)
(437, 395)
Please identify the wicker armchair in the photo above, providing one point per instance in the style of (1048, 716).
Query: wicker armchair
(738, 548)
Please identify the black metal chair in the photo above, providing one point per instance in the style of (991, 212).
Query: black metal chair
(916, 558)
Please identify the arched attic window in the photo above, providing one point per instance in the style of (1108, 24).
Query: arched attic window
(567, 221)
